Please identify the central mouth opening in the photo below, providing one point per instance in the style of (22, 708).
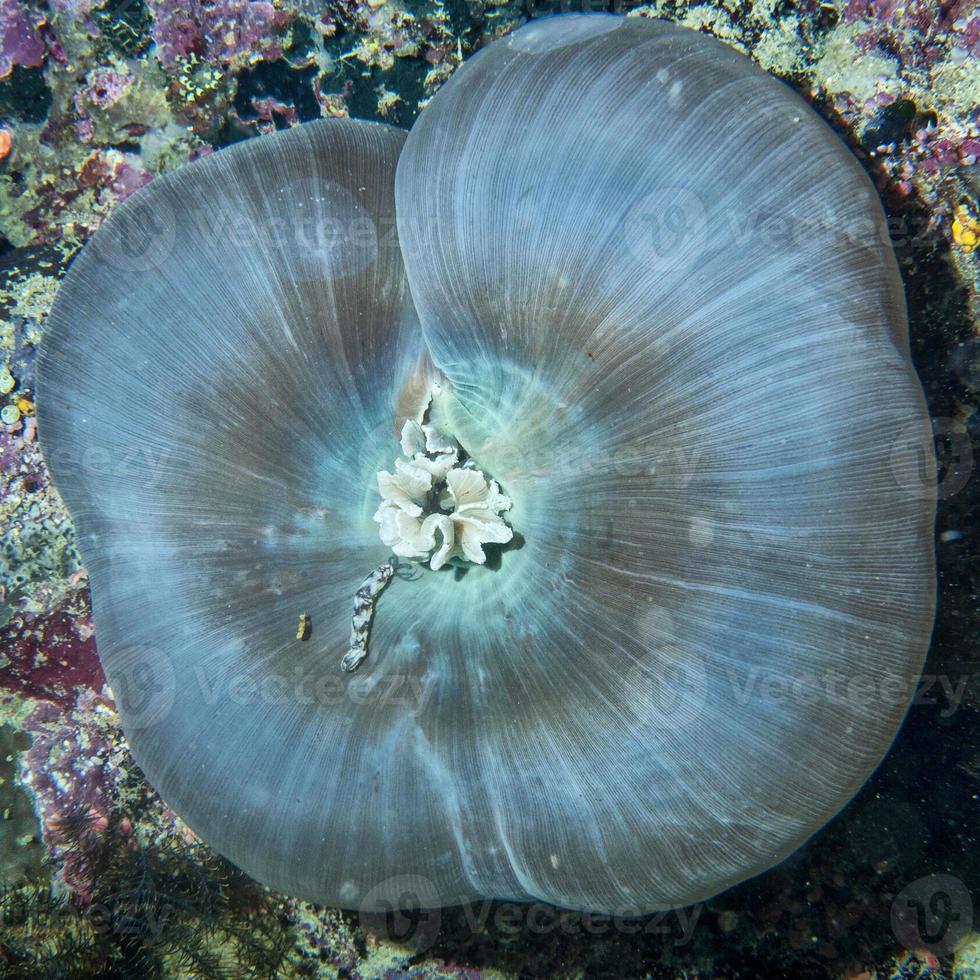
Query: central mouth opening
(438, 509)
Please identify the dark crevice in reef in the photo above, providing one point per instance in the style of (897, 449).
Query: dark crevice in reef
(890, 124)
(940, 733)
(294, 87)
(363, 99)
(25, 95)
(23, 262)
(942, 337)
(291, 86)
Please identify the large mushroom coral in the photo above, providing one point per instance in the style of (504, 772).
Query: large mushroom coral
(685, 363)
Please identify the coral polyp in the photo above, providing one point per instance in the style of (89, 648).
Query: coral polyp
(438, 507)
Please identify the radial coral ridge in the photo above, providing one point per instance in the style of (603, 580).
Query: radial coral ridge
(669, 379)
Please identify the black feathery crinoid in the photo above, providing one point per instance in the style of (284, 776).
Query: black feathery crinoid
(83, 844)
(179, 908)
(43, 935)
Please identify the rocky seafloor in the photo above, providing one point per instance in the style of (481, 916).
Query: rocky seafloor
(99, 876)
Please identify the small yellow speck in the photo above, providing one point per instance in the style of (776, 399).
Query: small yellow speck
(303, 629)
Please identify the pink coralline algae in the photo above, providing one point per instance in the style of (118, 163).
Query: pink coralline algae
(127, 176)
(49, 657)
(113, 175)
(74, 17)
(21, 40)
(224, 33)
(969, 152)
(21, 466)
(323, 935)
(925, 27)
(110, 175)
(959, 20)
(269, 109)
(928, 149)
(106, 88)
(71, 771)
(917, 116)
(966, 32)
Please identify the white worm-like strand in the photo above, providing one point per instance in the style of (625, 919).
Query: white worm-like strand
(364, 600)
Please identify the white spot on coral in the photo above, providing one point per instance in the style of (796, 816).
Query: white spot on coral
(700, 533)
